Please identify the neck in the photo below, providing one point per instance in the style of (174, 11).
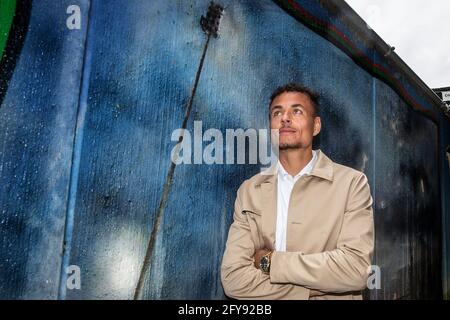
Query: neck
(294, 160)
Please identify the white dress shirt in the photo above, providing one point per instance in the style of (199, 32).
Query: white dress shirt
(285, 184)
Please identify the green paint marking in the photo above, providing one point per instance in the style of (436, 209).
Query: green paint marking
(7, 10)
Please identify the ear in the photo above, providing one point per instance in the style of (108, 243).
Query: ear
(317, 126)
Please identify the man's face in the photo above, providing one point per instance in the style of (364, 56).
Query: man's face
(292, 114)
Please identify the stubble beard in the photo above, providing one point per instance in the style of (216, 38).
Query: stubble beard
(287, 146)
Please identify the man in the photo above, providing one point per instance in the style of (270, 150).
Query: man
(303, 230)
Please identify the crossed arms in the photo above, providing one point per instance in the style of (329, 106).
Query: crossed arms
(294, 274)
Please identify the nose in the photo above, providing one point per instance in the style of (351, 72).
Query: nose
(286, 117)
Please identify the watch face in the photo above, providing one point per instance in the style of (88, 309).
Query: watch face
(264, 264)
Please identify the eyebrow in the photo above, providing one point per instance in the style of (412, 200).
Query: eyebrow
(292, 106)
(298, 105)
(275, 107)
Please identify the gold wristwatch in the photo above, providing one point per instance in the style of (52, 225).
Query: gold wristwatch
(264, 263)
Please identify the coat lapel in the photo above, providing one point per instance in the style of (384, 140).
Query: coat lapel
(268, 199)
(269, 211)
(269, 192)
(323, 167)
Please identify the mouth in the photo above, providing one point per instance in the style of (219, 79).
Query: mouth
(286, 131)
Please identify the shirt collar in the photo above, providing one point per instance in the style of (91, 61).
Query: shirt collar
(323, 168)
(306, 170)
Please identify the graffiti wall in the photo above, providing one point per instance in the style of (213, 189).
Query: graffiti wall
(92, 92)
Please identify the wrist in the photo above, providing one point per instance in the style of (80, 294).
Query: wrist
(265, 262)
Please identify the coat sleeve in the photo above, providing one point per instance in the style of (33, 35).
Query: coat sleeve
(240, 278)
(343, 269)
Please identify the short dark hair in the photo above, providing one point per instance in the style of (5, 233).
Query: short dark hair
(295, 87)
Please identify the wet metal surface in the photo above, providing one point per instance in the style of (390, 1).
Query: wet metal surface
(85, 147)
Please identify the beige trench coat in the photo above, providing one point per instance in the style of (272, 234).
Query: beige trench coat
(330, 236)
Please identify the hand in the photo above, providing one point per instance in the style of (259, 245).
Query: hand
(258, 255)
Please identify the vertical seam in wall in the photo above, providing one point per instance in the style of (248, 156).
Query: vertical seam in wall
(75, 162)
(374, 102)
(374, 130)
(374, 113)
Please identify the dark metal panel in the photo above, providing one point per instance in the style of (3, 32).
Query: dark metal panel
(444, 156)
(242, 67)
(37, 119)
(408, 211)
(143, 60)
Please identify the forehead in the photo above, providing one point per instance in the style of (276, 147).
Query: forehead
(287, 99)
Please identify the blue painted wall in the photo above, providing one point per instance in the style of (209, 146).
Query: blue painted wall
(37, 123)
(85, 141)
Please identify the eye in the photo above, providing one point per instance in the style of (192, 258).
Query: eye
(298, 111)
(276, 113)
